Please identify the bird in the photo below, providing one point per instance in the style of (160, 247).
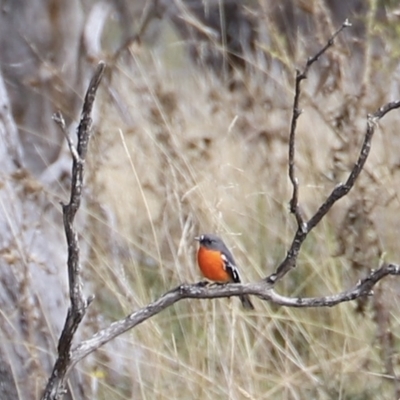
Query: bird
(217, 264)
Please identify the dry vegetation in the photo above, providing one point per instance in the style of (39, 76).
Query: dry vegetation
(190, 155)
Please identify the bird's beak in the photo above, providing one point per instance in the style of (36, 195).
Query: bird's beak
(197, 238)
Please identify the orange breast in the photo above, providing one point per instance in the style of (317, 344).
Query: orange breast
(212, 265)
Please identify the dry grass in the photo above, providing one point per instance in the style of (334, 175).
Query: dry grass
(202, 158)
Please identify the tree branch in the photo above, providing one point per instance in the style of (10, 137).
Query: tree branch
(300, 76)
(199, 291)
(304, 228)
(340, 191)
(77, 309)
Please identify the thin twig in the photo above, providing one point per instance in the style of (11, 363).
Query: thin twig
(58, 118)
(312, 60)
(55, 385)
(342, 189)
(301, 75)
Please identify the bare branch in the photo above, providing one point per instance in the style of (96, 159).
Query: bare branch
(301, 75)
(312, 60)
(77, 309)
(363, 288)
(200, 291)
(60, 121)
(341, 190)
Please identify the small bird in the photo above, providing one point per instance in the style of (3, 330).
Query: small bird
(217, 264)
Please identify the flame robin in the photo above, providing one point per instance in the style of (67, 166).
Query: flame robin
(217, 263)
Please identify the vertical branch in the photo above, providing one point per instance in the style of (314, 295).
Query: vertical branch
(302, 227)
(70, 209)
(294, 201)
(55, 385)
(300, 76)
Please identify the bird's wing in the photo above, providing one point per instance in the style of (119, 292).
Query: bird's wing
(231, 268)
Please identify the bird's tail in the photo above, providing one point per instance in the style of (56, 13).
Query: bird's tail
(246, 303)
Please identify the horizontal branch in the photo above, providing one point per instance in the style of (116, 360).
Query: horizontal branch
(199, 291)
(362, 288)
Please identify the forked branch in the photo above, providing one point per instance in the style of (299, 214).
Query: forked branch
(304, 228)
(79, 304)
(337, 193)
(300, 76)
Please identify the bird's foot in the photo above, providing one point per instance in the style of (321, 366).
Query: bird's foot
(218, 284)
(202, 284)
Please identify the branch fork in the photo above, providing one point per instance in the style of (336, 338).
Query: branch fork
(79, 304)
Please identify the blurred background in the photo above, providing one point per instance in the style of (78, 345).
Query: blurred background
(190, 136)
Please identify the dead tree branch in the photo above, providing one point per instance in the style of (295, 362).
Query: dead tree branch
(79, 304)
(304, 228)
(300, 76)
(337, 193)
(199, 291)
